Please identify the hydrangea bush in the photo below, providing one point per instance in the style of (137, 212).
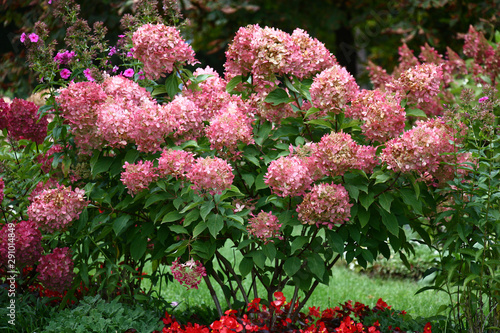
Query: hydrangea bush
(282, 158)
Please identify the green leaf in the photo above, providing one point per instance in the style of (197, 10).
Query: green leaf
(292, 266)
(120, 224)
(233, 83)
(191, 206)
(259, 259)
(131, 156)
(411, 200)
(269, 250)
(246, 265)
(298, 243)
(191, 216)
(172, 85)
(199, 229)
(277, 97)
(259, 182)
(390, 221)
(316, 265)
(102, 165)
(335, 241)
(416, 113)
(206, 208)
(215, 224)
(138, 247)
(364, 217)
(155, 198)
(172, 216)
(263, 133)
(385, 200)
(178, 229)
(248, 178)
(321, 122)
(159, 91)
(311, 111)
(353, 191)
(367, 199)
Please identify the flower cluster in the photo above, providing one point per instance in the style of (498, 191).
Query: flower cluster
(332, 90)
(2, 187)
(337, 153)
(211, 174)
(419, 83)
(486, 59)
(184, 118)
(138, 176)
(159, 48)
(78, 105)
(381, 112)
(56, 270)
(228, 128)
(288, 176)
(326, 204)
(54, 209)
(425, 149)
(189, 273)
(267, 53)
(4, 114)
(264, 226)
(23, 121)
(28, 243)
(175, 163)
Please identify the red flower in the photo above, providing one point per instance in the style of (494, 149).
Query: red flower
(427, 328)
(381, 305)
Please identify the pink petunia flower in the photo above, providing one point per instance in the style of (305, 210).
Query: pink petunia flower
(65, 73)
(33, 37)
(128, 72)
(23, 37)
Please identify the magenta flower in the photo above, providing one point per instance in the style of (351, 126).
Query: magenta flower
(65, 73)
(23, 37)
(56, 270)
(33, 37)
(112, 51)
(24, 123)
(64, 57)
(483, 99)
(88, 74)
(128, 72)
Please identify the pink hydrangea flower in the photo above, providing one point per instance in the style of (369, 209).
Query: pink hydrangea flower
(189, 273)
(55, 270)
(175, 163)
(159, 47)
(65, 73)
(264, 226)
(378, 75)
(138, 176)
(24, 123)
(332, 90)
(184, 118)
(2, 187)
(326, 204)
(78, 104)
(337, 153)
(4, 114)
(27, 242)
(382, 115)
(211, 174)
(288, 176)
(54, 209)
(230, 127)
(425, 149)
(314, 56)
(420, 83)
(262, 52)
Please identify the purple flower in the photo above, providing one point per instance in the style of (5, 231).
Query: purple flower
(115, 68)
(112, 51)
(483, 99)
(23, 37)
(65, 73)
(88, 74)
(128, 72)
(33, 37)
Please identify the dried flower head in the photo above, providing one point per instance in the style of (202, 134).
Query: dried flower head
(264, 226)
